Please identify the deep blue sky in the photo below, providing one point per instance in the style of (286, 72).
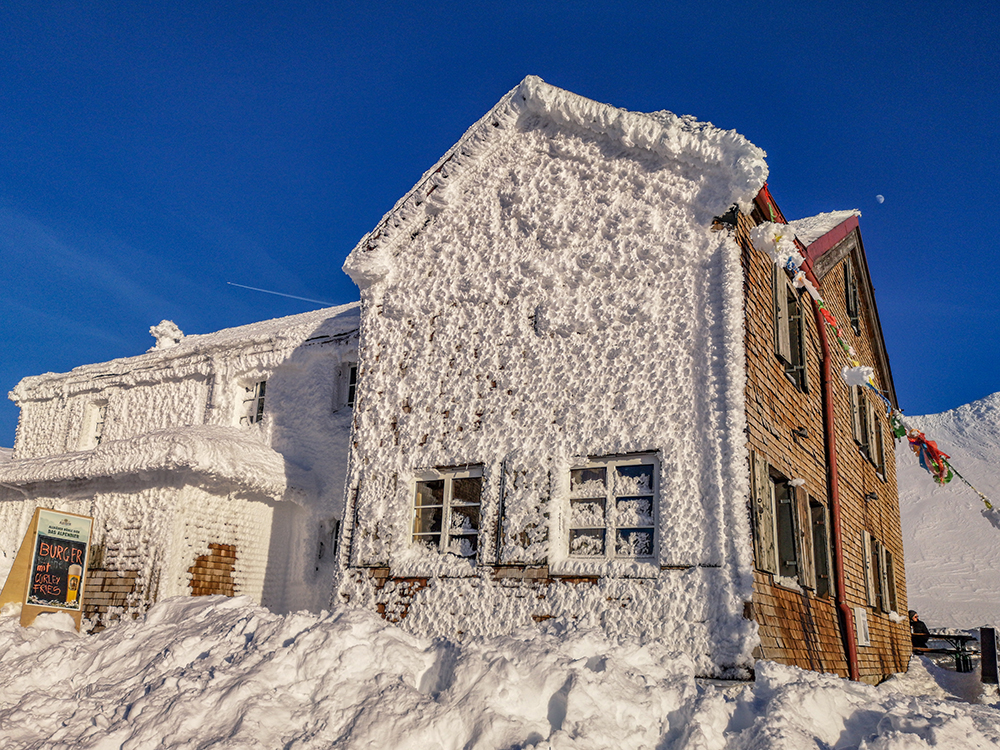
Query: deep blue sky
(150, 152)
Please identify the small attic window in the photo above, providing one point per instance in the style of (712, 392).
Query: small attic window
(851, 296)
(94, 419)
(352, 384)
(253, 403)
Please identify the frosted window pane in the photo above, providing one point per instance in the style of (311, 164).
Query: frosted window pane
(635, 511)
(634, 480)
(588, 482)
(588, 542)
(463, 546)
(430, 493)
(587, 513)
(464, 519)
(466, 491)
(634, 543)
(427, 521)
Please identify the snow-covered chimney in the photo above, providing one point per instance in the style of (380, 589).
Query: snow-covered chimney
(167, 334)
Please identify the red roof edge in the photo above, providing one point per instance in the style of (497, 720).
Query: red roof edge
(765, 202)
(831, 238)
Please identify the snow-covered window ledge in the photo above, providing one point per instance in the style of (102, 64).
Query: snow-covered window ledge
(603, 568)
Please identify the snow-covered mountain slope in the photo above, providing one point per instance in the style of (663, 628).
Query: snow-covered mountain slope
(952, 552)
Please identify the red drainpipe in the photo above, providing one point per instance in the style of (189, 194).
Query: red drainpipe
(765, 201)
(833, 481)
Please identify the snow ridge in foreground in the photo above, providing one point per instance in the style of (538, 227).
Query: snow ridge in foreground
(225, 673)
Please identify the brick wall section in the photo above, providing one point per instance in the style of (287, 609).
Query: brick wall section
(799, 627)
(213, 573)
(107, 594)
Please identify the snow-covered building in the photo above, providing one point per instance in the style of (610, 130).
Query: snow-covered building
(585, 393)
(579, 377)
(211, 464)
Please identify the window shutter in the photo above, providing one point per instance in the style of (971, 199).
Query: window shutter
(866, 546)
(870, 428)
(883, 578)
(879, 450)
(856, 414)
(890, 575)
(802, 364)
(782, 345)
(821, 548)
(807, 568)
(763, 513)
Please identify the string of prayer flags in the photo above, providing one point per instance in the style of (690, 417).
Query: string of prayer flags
(778, 241)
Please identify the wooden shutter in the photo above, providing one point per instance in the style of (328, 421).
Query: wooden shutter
(821, 548)
(883, 582)
(807, 568)
(763, 515)
(803, 359)
(879, 449)
(890, 577)
(856, 414)
(869, 428)
(866, 547)
(782, 345)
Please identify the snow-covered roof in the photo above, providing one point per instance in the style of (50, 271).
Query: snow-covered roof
(811, 228)
(730, 168)
(275, 334)
(211, 451)
(6, 454)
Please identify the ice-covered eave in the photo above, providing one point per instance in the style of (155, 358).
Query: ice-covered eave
(723, 155)
(213, 453)
(195, 354)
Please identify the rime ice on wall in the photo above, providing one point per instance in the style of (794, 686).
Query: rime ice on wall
(160, 449)
(552, 291)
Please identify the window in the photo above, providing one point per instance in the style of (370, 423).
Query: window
(789, 330)
(612, 508)
(851, 296)
(821, 546)
(878, 449)
(867, 429)
(253, 403)
(352, 384)
(785, 540)
(861, 626)
(446, 511)
(880, 574)
(92, 431)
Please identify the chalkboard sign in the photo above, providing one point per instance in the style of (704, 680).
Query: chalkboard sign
(59, 560)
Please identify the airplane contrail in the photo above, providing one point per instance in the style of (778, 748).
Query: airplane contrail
(280, 294)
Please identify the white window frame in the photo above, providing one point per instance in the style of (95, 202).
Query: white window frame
(613, 521)
(253, 403)
(450, 511)
(851, 297)
(861, 632)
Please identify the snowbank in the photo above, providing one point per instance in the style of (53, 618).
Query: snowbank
(216, 672)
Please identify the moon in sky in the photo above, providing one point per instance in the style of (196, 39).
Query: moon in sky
(880, 198)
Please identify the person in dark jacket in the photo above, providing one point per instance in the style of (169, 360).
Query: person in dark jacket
(919, 633)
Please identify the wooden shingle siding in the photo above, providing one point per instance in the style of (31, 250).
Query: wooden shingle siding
(801, 627)
(213, 573)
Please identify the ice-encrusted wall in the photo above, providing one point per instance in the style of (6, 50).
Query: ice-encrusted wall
(175, 470)
(557, 295)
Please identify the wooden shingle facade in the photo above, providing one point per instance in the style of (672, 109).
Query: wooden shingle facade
(800, 483)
